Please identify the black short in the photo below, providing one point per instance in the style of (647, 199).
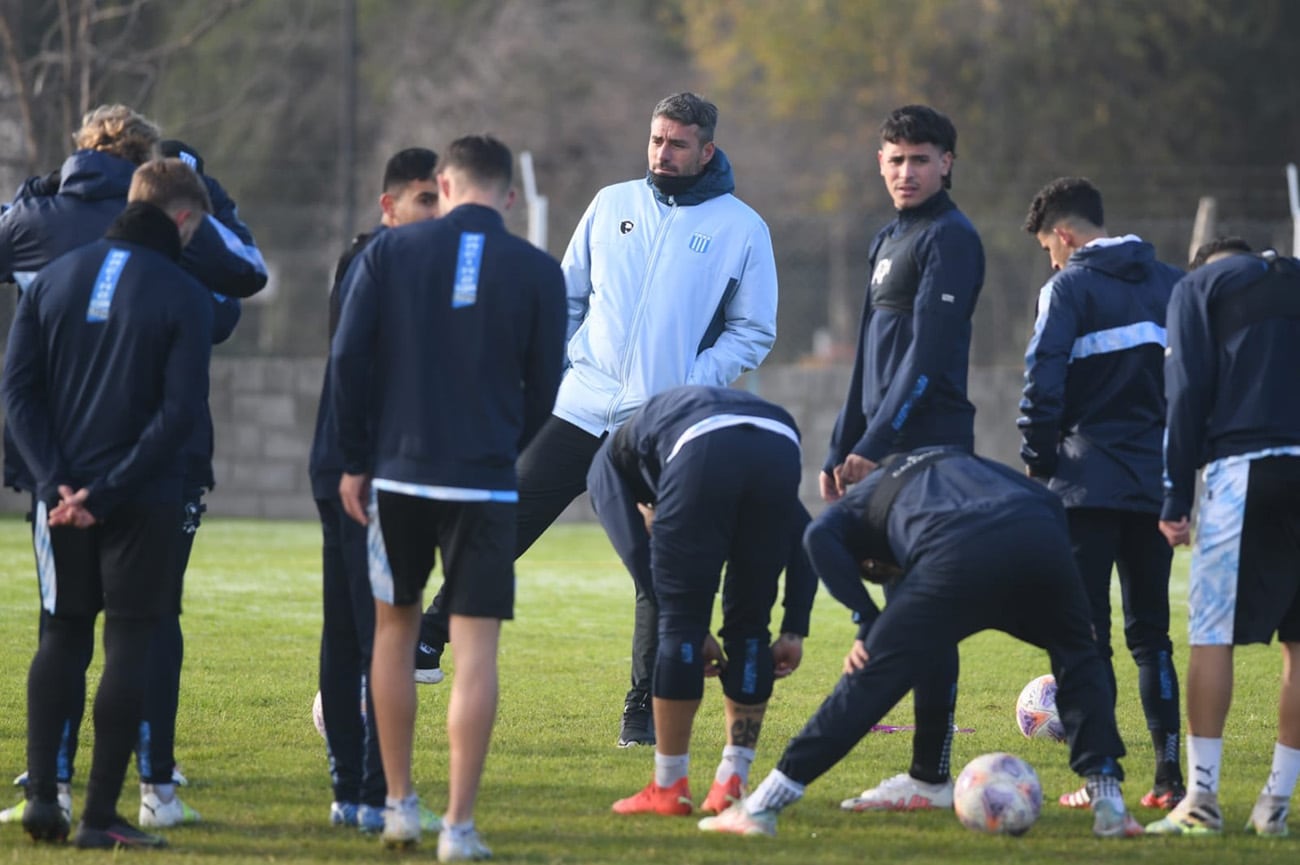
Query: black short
(477, 540)
(125, 565)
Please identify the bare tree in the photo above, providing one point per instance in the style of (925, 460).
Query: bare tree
(63, 56)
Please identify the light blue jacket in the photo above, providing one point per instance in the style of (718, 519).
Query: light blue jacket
(663, 292)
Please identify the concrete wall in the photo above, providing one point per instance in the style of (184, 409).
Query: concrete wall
(264, 410)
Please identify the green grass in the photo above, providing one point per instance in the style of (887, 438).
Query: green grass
(259, 775)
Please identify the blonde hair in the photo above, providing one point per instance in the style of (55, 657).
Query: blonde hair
(120, 131)
(170, 184)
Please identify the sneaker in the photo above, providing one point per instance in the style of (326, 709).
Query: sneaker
(344, 814)
(902, 793)
(401, 825)
(119, 833)
(15, 814)
(1268, 817)
(1108, 821)
(465, 848)
(20, 780)
(45, 821)
(723, 795)
(1165, 796)
(428, 664)
(370, 819)
(737, 821)
(157, 814)
(674, 801)
(1076, 799)
(638, 727)
(1195, 815)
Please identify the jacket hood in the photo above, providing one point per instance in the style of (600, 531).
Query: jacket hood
(1128, 258)
(716, 180)
(94, 175)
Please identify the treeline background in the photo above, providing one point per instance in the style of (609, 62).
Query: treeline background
(296, 104)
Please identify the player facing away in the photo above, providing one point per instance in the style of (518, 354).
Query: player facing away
(72, 207)
(1234, 347)
(106, 376)
(715, 473)
(969, 545)
(409, 194)
(908, 388)
(1092, 423)
(447, 359)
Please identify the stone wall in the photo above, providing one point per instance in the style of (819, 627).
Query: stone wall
(264, 410)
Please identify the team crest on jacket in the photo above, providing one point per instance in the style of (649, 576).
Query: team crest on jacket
(699, 242)
(625, 227)
(882, 271)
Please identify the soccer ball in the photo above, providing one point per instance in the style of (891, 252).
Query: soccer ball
(1036, 714)
(999, 794)
(318, 715)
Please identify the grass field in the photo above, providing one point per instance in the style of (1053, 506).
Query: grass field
(258, 771)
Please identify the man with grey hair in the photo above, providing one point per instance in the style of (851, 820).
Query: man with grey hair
(671, 280)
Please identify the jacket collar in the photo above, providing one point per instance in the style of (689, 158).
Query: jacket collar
(716, 179)
(145, 224)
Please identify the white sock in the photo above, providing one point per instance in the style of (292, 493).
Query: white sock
(735, 761)
(1204, 757)
(411, 801)
(776, 792)
(460, 830)
(1286, 768)
(669, 769)
(164, 792)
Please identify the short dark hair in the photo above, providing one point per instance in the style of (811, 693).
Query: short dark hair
(405, 166)
(1232, 245)
(483, 158)
(921, 124)
(690, 109)
(1065, 198)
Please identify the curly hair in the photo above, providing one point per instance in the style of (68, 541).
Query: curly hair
(118, 130)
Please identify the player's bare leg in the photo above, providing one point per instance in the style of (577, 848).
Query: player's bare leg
(392, 683)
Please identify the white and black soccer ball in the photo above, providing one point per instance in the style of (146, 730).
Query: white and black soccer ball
(998, 794)
(1036, 715)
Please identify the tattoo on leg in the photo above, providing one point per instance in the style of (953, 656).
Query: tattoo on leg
(745, 729)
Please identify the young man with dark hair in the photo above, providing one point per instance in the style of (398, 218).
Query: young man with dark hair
(715, 472)
(968, 545)
(671, 280)
(410, 194)
(908, 388)
(106, 375)
(447, 359)
(1234, 347)
(1092, 425)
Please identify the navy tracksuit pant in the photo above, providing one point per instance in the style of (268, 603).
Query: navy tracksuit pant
(1014, 574)
(347, 639)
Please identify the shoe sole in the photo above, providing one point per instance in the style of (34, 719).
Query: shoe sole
(634, 743)
(1176, 829)
(856, 807)
(429, 677)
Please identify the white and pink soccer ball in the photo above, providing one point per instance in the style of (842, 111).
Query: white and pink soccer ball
(999, 794)
(1036, 714)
